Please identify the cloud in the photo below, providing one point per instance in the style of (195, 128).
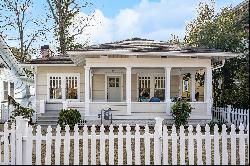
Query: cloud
(148, 19)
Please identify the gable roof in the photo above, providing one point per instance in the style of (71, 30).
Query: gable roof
(9, 61)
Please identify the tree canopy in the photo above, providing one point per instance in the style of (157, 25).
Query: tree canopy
(224, 31)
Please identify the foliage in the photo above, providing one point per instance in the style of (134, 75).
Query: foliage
(213, 122)
(18, 20)
(69, 117)
(68, 22)
(181, 111)
(224, 31)
(27, 113)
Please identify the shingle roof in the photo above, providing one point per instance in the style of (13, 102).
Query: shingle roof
(52, 60)
(145, 45)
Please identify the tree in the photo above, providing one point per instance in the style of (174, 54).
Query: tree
(69, 22)
(17, 21)
(224, 31)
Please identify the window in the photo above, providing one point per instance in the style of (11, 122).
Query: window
(12, 90)
(144, 87)
(71, 88)
(159, 91)
(64, 87)
(5, 90)
(55, 88)
(185, 85)
(114, 82)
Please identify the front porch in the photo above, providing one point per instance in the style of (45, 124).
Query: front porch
(134, 86)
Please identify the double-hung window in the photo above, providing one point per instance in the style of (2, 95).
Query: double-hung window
(55, 87)
(71, 87)
(160, 88)
(144, 88)
(64, 86)
(5, 90)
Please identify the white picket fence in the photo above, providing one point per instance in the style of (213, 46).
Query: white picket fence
(21, 144)
(229, 115)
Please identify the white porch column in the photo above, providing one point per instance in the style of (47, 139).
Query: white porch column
(209, 89)
(87, 86)
(193, 86)
(180, 85)
(167, 88)
(167, 84)
(128, 89)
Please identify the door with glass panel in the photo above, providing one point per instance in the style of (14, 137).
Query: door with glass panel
(114, 89)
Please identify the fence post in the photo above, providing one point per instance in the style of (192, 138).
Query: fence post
(229, 109)
(158, 140)
(21, 131)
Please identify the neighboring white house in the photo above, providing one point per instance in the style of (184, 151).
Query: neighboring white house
(124, 76)
(13, 81)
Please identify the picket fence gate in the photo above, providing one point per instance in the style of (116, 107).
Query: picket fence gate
(20, 144)
(229, 115)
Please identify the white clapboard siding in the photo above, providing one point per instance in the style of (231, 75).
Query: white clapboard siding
(169, 147)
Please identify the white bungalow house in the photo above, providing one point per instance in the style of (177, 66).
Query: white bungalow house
(124, 76)
(14, 82)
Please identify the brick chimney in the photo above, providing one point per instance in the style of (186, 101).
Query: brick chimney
(46, 52)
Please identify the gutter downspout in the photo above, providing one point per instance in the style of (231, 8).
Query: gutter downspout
(218, 67)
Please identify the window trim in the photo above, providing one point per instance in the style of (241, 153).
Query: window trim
(63, 76)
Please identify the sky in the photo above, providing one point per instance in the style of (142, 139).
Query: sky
(124, 19)
(151, 19)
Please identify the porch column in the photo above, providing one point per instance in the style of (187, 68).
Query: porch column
(180, 85)
(87, 78)
(167, 88)
(128, 89)
(193, 86)
(209, 89)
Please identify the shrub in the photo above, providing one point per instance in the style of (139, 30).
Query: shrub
(69, 117)
(212, 124)
(27, 113)
(181, 111)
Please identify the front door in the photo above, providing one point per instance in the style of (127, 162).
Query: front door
(114, 89)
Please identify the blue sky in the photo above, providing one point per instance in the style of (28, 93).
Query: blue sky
(154, 19)
(123, 19)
